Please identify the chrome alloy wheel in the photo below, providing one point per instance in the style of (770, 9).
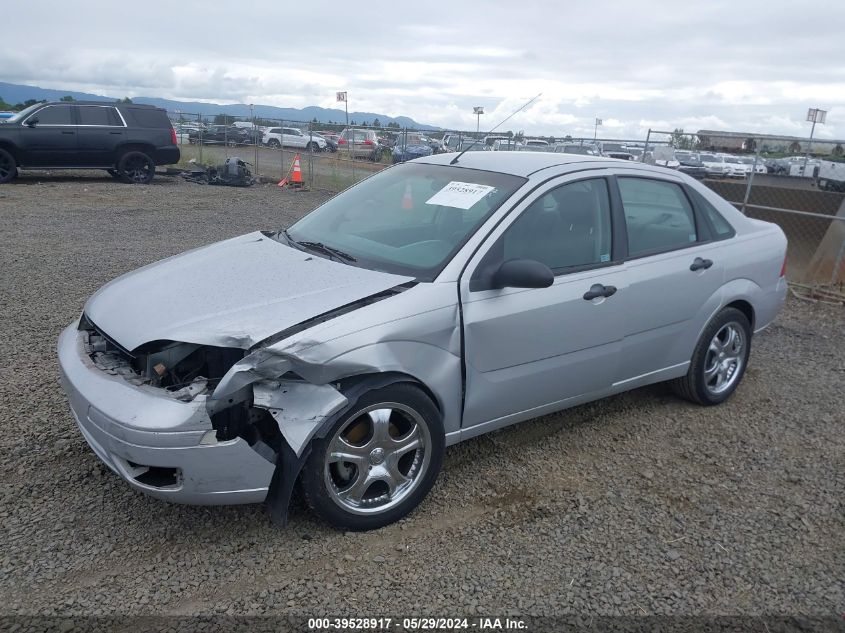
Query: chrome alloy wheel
(724, 359)
(378, 458)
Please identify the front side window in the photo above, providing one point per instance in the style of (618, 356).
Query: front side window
(658, 215)
(53, 115)
(410, 219)
(565, 228)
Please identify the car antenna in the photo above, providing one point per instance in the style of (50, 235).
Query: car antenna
(520, 109)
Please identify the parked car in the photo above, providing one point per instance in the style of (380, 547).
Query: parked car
(536, 145)
(277, 137)
(615, 150)
(738, 169)
(576, 148)
(452, 140)
(472, 145)
(410, 146)
(361, 144)
(751, 165)
(127, 140)
(691, 165)
(716, 165)
(426, 305)
(219, 135)
(506, 145)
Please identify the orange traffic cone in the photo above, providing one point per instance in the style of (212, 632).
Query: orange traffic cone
(407, 199)
(296, 175)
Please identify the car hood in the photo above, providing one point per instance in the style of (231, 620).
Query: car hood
(233, 293)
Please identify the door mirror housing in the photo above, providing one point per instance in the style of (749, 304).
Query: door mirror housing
(32, 122)
(523, 273)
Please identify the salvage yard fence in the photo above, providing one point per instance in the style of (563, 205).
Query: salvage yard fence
(812, 218)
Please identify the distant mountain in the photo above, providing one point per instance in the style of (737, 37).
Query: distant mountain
(18, 93)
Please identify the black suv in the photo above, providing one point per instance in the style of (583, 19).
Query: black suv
(126, 139)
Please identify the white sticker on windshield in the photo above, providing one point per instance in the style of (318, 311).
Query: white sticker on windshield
(460, 195)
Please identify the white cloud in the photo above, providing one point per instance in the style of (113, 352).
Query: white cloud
(753, 66)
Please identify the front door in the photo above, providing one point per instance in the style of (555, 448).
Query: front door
(48, 137)
(532, 351)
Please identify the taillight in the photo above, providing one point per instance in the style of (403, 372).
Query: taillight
(173, 136)
(368, 142)
(783, 267)
(341, 141)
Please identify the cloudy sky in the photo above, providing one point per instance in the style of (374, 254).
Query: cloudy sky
(754, 66)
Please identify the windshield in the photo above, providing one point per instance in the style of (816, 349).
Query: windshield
(709, 158)
(410, 219)
(20, 116)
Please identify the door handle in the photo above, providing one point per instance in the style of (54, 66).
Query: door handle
(599, 290)
(67, 132)
(699, 263)
(118, 133)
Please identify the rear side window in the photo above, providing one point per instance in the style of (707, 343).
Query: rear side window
(721, 226)
(143, 117)
(54, 115)
(658, 215)
(98, 115)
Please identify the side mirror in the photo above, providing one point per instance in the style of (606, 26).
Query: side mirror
(523, 273)
(32, 122)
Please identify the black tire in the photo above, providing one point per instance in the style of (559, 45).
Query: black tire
(312, 147)
(696, 386)
(8, 166)
(318, 474)
(136, 167)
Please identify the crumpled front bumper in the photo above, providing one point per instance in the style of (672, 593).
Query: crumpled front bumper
(132, 428)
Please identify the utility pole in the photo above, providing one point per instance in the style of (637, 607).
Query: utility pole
(596, 128)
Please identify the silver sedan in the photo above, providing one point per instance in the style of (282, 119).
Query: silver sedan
(437, 300)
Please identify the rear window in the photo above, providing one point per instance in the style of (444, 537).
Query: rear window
(144, 117)
(721, 226)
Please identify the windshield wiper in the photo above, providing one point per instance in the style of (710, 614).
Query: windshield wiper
(328, 250)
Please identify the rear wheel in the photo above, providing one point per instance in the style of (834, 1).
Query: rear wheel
(719, 360)
(8, 166)
(378, 462)
(312, 147)
(274, 143)
(136, 167)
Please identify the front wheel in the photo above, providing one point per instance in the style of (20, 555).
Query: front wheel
(8, 166)
(136, 167)
(312, 147)
(719, 360)
(377, 462)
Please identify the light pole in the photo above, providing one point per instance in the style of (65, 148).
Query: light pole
(596, 128)
(816, 116)
(478, 111)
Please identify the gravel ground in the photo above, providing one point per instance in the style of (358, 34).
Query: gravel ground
(639, 504)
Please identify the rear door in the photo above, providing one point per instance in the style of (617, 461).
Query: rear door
(532, 351)
(51, 141)
(675, 274)
(100, 131)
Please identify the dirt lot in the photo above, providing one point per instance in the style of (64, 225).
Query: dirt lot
(640, 504)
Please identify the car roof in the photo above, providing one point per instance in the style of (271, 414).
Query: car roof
(105, 103)
(526, 163)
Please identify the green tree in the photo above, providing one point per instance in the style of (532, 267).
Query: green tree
(681, 140)
(794, 147)
(221, 119)
(67, 98)
(837, 150)
(376, 122)
(394, 125)
(125, 100)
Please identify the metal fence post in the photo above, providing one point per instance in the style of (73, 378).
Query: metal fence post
(750, 179)
(199, 121)
(645, 149)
